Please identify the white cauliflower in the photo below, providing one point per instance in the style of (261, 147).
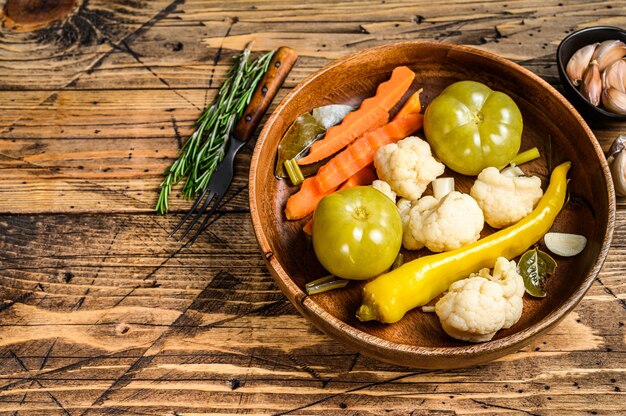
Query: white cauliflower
(474, 309)
(408, 241)
(440, 225)
(505, 273)
(407, 166)
(384, 187)
(504, 199)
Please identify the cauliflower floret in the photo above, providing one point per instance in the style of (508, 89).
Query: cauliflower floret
(440, 225)
(474, 309)
(407, 166)
(404, 208)
(384, 187)
(504, 199)
(505, 273)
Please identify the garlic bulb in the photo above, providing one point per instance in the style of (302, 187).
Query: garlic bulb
(608, 52)
(591, 87)
(579, 62)
(617, 163)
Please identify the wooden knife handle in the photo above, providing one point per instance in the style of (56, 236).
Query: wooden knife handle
(280, 65)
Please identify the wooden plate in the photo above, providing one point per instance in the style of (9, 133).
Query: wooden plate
(549, 122)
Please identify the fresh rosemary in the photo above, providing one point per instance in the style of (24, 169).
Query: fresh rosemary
(205, 149)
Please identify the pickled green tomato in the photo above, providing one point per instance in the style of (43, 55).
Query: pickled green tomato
(470, 127)
(357, 233)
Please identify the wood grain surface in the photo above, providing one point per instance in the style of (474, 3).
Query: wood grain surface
(101, 313)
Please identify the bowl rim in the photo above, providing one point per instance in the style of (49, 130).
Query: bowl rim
(380, 347)
(567, 83)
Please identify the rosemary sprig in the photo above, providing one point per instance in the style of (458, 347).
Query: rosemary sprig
(205, 149)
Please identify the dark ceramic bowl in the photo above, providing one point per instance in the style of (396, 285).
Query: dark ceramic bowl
(566, 49)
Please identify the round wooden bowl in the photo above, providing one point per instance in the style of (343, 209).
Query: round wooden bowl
(417, 340)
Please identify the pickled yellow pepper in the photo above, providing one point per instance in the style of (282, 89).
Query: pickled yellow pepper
(388, 297)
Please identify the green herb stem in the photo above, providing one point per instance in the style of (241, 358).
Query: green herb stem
(325, 284)
(525, 157)
(294, 172)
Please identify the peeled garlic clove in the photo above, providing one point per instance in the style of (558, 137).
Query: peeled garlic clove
(608, 52)
(565, 244)
(579, 62)
(591, 87)
(614, 76)
(616, 158)
(614, 100)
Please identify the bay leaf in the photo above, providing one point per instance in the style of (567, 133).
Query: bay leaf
(300, 135)
(535, 266)
(306, 129)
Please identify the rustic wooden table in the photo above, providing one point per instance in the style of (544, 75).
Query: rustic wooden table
(101, 313)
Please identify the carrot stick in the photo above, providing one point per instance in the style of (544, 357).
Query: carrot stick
(371, 111)
(361, 153)
(308, 227)
(412, 105)
(365, 176)
(303, 202)
(358, 155)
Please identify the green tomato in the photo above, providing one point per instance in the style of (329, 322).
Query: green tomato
(357, 233)
(471, 127)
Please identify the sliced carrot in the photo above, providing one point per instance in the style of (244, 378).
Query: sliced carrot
(358, 155)
(381, 121)
(412, 105)
(371, 111)
(308, 227)
(365, 176)
(303, 202)
(361, 153)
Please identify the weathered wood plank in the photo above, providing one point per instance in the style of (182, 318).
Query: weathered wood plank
(62, 256)
(117, 161)
(166, 66)
(59, 53)
(267, 366)
(101, 313)
(261, 351)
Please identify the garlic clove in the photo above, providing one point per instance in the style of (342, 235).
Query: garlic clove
(579, 62)
(618, 172)
(614, 76)
(565, 244)
(608, 52)
(614, 100)
(591, 87)
(617, 146)
(616, 159)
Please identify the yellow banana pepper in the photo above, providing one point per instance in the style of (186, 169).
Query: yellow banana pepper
(388, 297)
